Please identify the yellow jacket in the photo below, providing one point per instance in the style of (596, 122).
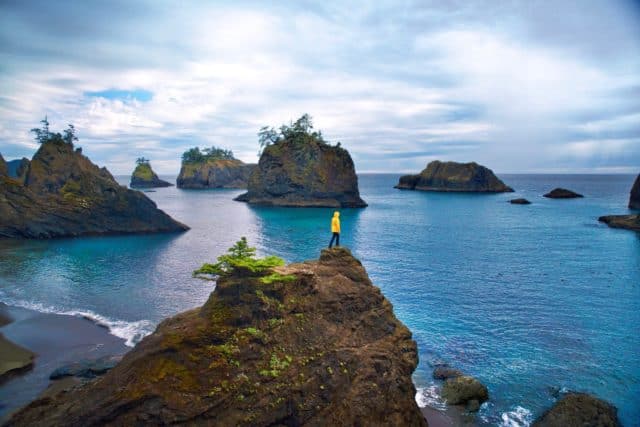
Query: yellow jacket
(335, 222)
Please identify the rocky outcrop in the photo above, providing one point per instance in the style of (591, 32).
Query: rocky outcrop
(144, 177)
(578, 410)
(13, 359)
(322, 348)
(628, 222)
(562, 193)
(519, 201)
(3, 167)
(64, 194)
(304, 174)
(634, 197)
(465, 390)
(454, 177)
(215, 173)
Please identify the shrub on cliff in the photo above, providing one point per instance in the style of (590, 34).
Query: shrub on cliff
(43, 134)
(240, 261)
(300, 131)
(194, 155)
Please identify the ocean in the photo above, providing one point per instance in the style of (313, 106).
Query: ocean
(531, 300)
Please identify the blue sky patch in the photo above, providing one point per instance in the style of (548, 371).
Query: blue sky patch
(123, 95)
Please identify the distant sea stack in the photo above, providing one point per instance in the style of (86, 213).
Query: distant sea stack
(454, 177)
(64, 194)
(299, 168)
(18, 168)
(213, 168)
(562, 193)
(311, 344)
(634, 198)
(144, 177)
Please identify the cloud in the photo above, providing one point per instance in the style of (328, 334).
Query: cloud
(507, 84)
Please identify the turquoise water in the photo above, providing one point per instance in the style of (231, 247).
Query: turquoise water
(526, 298)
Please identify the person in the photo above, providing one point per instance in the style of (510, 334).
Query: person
(335, 229)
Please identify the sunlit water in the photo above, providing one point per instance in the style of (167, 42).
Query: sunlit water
(526, 298)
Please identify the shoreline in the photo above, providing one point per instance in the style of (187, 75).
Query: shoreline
(56, 340)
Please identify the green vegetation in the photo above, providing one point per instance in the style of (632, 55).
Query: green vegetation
(43, 134)
(142, 161)
(240, 261)
(143, 169)
(276, 365)
(194, 155)
(300, 131)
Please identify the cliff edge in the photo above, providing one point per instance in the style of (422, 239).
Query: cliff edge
(313, 344)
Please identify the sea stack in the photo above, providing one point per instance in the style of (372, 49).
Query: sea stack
(454, 177)
(634, 198)
(65, 194)
(212, 168)
(322, 347)
(144, 177)
(4, 171)
(299, 168)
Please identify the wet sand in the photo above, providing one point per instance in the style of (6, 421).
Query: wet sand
(56, 340)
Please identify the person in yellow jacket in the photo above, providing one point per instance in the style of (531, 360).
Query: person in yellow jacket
(335, 229)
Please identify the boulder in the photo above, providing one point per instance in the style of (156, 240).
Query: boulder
(634, 197)
(321, 348)
(65, 194)
(465, 390)
(519, 202)
(144, 177)
(454, 177)
(562, 193)
(215, 173)
(309, 173)
(579, 410)
(628, 222)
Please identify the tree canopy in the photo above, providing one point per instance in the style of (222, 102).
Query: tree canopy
(43, 134)
(300, 131)
(142, 161)
(195, 155)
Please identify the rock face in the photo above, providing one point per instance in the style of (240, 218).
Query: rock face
(64, 194)
(465, 390)
(454, 177)
(634, 198)
(578, 410)
(215, 173)
(144, 177)
(562, 193)
(309, 174)
(519, 202)
(323, 349)
(629, 222)
(3, 167)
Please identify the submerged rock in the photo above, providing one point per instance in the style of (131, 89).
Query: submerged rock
(144, 177)
(215, 173)
(579, 410)
(454, 177)
(320, 348)
(444, 372)
(465, 390)
(65, 194)
(519, 202)
(86, 368)
(562, 193)
(628, 222)
(310, 173)
(634, 197)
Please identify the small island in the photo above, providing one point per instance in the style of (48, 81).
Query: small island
(314, 343)
(562, 193)
(454, 177)
(64, 194)
(299, 168)
(144, 177)
(212, 168)
(628, 222)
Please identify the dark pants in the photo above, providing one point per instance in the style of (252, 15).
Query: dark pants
(336, 237)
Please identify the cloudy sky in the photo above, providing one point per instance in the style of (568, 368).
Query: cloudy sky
(520, 86)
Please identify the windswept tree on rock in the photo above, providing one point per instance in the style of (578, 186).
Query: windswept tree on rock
(43, 134)
(194, 155)
(300, 131)
(142, 161)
